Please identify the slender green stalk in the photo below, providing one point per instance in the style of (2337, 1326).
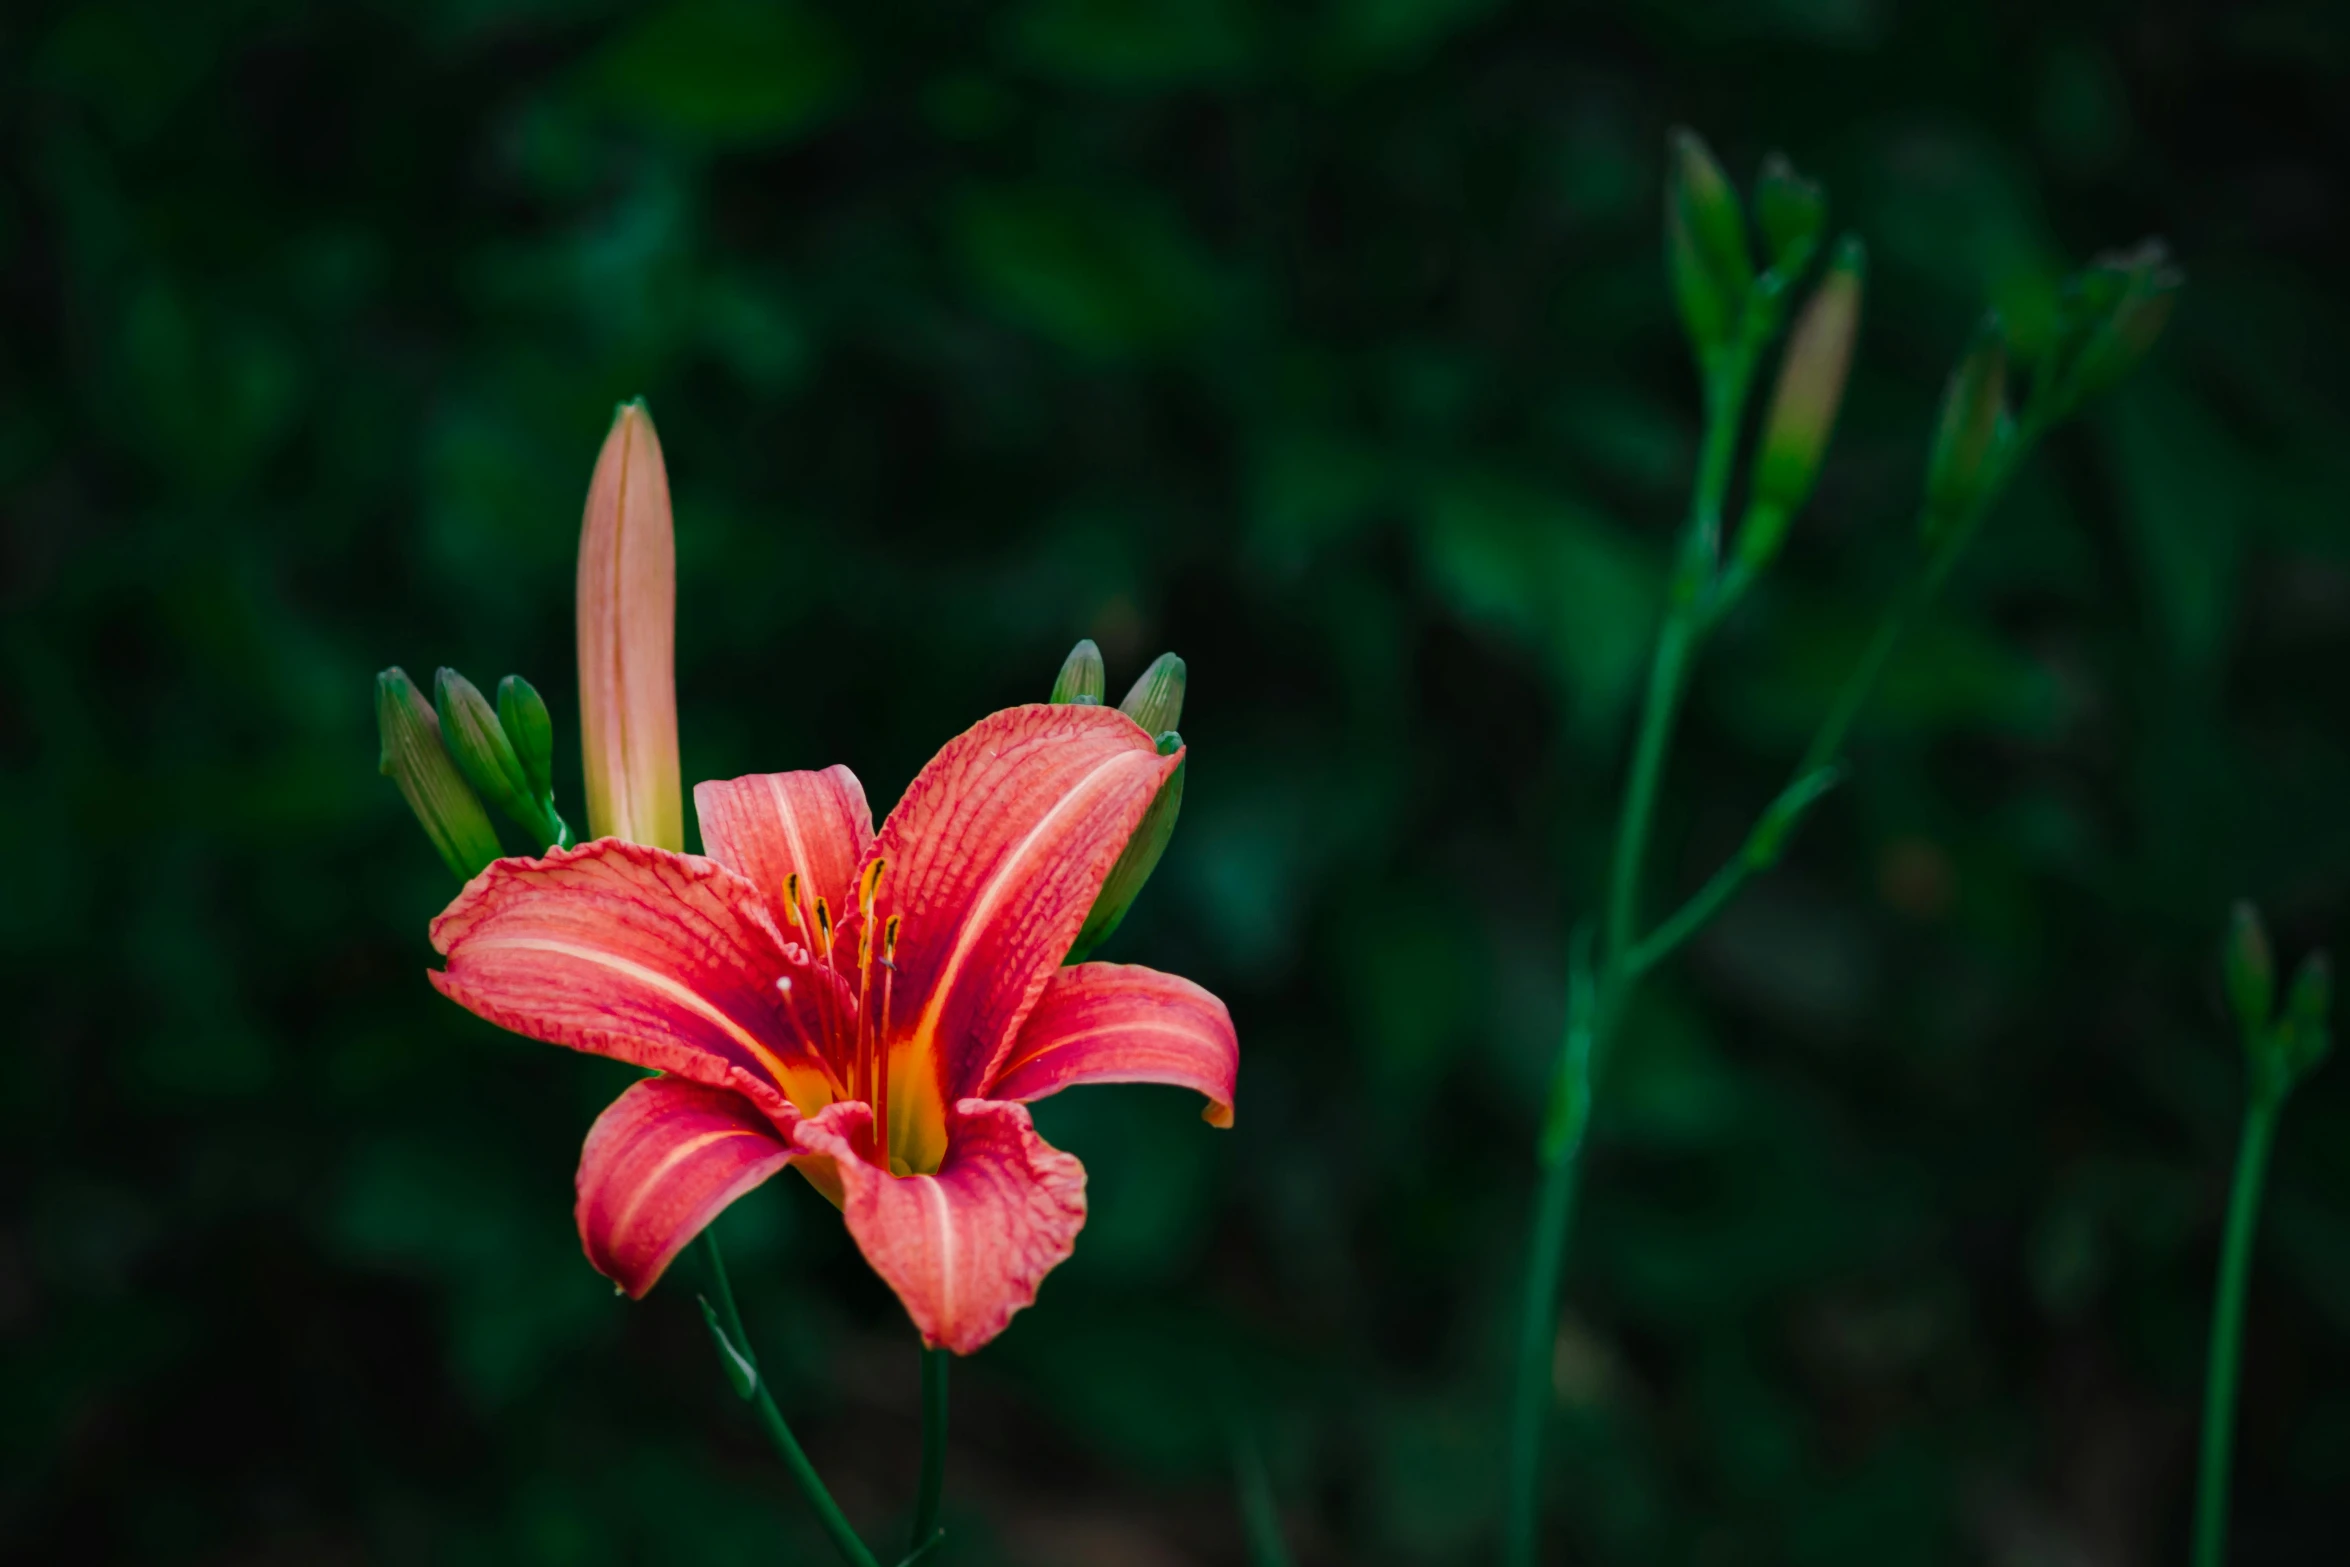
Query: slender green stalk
(1260, 1513)
(2227, 1329)
(828, 1513)
(1589, 1026)
(934, 1447)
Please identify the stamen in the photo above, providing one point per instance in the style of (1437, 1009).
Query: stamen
(824, 927)
(783, 986)
(870, 885)
(889, 974)
(791, 900)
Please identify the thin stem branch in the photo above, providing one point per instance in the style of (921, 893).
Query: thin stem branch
(934, 1447)
(1591, 1013)
(836, 1524)
(2227, 1328)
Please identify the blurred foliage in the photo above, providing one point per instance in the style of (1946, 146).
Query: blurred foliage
(1330, 346)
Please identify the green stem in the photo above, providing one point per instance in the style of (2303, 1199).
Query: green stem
(1260, 1512)
(2227, 1329)
(1827, 746)
(828, 1513)
(1530, 1396)
(1588, 1027)
(934, 1447)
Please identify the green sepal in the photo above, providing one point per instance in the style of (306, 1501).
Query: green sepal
(1156, 700)
(1082, 680)
(741, 1369)
(414, 757)
(1139, 858)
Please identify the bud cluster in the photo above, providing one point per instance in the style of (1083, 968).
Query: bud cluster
(1155, 701)
(449, 755)
(2279, 1048)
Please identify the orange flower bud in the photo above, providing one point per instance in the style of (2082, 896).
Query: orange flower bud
(628, 641)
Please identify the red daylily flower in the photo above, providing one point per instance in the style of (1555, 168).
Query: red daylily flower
(877, 1009)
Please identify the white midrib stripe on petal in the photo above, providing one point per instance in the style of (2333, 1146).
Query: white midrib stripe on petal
(669, 1161)
(982, 909)
(936, 1195)
(650, 977)
(1174, 1030)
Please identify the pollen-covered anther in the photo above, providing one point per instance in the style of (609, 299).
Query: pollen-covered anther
(791, 900)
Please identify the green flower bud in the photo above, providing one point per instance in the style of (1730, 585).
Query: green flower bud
(2127, 298)
(1141, 856)
(1791, 211)
(532, 732)
(2304, 1035)
(414, 758)
(470, 729)
(1156, 702)
(1705, 244)
(1970, 439)
(477, 740)
(1082, 679)
(2250, 969)
(1811, 386)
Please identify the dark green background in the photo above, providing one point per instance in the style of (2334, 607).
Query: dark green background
(1328, 345)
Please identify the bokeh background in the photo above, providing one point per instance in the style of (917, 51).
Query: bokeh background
(1328, 345)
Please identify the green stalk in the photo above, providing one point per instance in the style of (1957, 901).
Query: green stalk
(1260, 1512)
(934, 1448)
(2227, 1328)
(836, 1524)
(1727, 381)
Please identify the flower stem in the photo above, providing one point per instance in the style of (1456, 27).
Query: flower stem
(1260, 1512)
(934, 1447)
(1726, 383)
(836, 1524)
(2227, 1328)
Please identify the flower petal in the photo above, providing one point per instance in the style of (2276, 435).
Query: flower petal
(1120, 1023)
(767, 826)
(967, 1246)
(666, 960)
(995, 856)
(658, 1165)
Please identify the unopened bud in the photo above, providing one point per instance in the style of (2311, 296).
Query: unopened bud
(471, 731)
(414, 757)
(532, 732)
(2306, 1033)
(485, 753)
(1705, 244)
(1140, 858)
(1811, 385)
(1971, 436)
(628, 641)
(1082, 679)
(1791, 211)
(2250, 970)
(1156, 702)
(2131, 295)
